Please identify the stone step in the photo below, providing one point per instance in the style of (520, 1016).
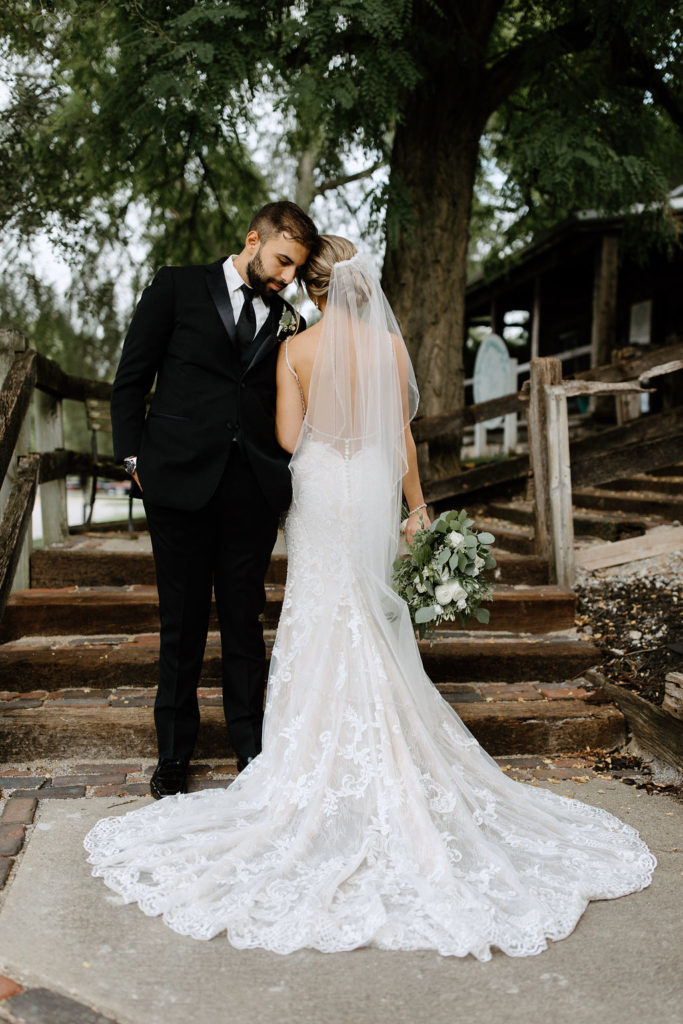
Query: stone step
(516, 568)
(667, 506)
(102, 610)
(118, 727)
(587, 522)
(90, 565)
(674, 470)
(100, 662)
(656, 482)
(509, 536)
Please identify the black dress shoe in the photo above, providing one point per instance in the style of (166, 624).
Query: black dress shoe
(169, 777)
(242, 762)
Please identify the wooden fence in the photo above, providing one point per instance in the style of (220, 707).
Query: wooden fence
(30, 378)
(552, 464)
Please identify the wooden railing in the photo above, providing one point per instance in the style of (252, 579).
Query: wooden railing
(555, 471)
(552, 464)
(30, 377)
(627, 364)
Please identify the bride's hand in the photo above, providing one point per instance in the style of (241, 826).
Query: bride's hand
(417, 521)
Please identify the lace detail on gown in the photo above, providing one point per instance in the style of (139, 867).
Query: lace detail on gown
(372, 817)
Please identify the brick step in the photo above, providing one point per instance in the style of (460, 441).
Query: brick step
(101, 610)
(89, 726)
(52, 663)
(587, 522)
(649, 502)
(88, 565)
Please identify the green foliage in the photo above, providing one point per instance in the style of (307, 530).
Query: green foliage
(583, 130)
(114, 104)
(82, 333)
(122, 111)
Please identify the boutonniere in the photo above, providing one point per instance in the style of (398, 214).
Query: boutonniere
(288, 325)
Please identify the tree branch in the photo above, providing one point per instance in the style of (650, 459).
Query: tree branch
(509, 71)
(345, 179)
(646, 75)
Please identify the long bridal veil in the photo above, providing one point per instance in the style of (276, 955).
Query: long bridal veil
(362, 396)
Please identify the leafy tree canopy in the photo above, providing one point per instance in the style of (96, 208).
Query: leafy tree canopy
(157, 106)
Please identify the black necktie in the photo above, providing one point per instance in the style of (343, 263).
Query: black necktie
(246, 325)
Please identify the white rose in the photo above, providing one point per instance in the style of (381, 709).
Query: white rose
(455, 539)
(451, 591)
(479, 562)
(421, 589)
(462, 604)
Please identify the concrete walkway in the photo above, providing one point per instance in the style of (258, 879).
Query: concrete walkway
(61, 931)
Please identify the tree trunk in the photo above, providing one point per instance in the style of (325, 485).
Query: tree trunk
(305, 191)
(433, 166)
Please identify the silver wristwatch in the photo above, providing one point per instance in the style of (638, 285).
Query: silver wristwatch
(130, 464)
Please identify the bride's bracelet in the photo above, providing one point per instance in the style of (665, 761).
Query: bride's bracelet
(418, 509)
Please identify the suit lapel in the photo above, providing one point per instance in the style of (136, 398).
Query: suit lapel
(266, 338)
(221, 297)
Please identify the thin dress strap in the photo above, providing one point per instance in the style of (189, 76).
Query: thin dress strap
(295, 375)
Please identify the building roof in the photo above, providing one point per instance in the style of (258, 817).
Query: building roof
(553, 247)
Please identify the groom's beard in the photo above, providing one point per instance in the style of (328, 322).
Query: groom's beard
(259, 281)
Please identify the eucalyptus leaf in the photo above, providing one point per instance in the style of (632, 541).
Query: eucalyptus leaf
(427, 614)
(486, 538)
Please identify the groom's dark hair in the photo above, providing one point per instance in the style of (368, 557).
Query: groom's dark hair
(283, 216)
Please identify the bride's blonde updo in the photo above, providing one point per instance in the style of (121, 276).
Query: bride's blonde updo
(331, 249)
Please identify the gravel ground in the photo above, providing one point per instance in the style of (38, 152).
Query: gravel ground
(633, 612)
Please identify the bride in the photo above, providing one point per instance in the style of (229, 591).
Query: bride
(372, 817)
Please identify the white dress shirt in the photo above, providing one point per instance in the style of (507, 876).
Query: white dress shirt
(234, 282)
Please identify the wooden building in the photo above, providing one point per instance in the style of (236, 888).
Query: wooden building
(578, 293)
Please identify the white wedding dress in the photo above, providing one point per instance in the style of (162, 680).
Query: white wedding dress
(372, 817)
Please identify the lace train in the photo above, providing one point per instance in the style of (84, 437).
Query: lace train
(372, 817)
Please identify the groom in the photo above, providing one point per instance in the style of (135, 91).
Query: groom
(213, 478)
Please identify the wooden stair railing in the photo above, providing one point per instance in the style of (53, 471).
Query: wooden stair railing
(31, 376)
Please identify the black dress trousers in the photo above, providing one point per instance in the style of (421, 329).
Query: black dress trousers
(225, 546)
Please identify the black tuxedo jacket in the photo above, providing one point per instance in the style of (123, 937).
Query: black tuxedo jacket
(208, 394)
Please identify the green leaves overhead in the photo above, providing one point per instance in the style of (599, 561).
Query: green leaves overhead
(154, 110)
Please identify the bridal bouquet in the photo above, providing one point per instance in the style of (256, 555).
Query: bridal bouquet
(441, 578)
